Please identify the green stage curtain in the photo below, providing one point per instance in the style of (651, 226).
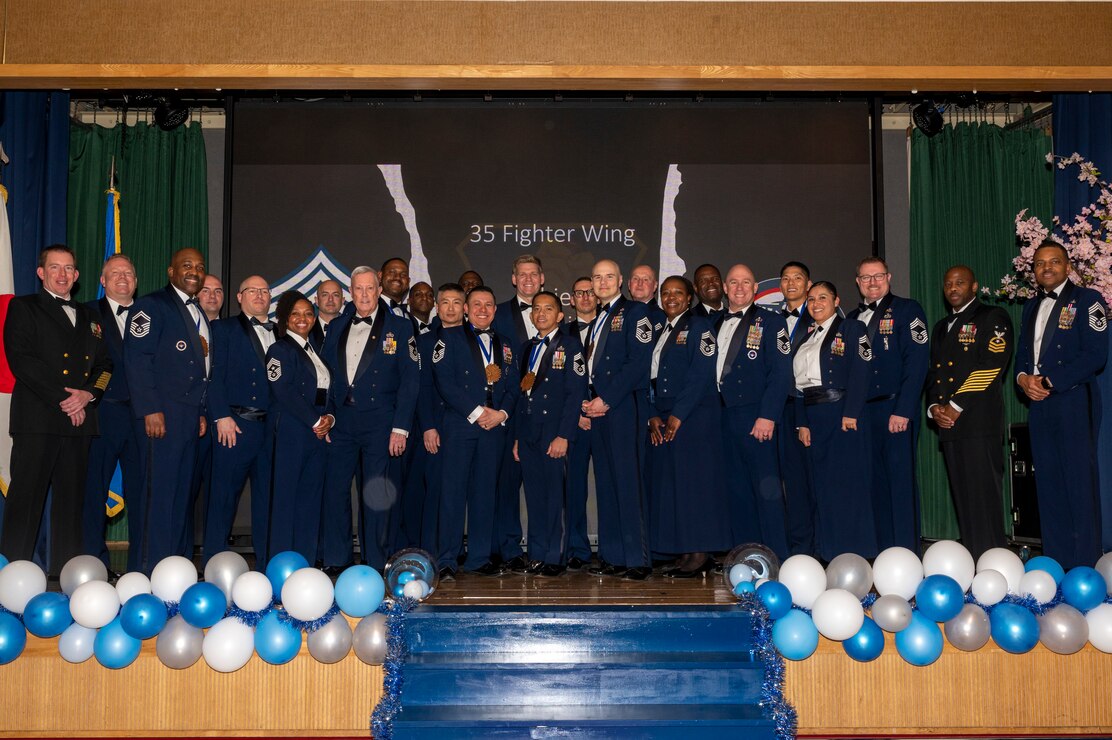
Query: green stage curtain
(163, 207)
(967, 185)
(163, 197)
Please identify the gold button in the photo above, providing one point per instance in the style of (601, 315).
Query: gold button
(65, 354)
(65, 372)
(951, 362)
(86, 357)
(951, 380)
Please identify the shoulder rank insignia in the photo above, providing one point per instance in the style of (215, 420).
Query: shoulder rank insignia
(783, 342)
(918, 331)
(413, 353)
(644, 330)
(1098, 319)
(274, 368)
(438, 351)
(706, 343)
(140, 325)
(578, 364)
(864, 351)
(997, 344)
(1065, 319)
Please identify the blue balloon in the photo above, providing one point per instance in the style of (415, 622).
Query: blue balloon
(867, 644)
(203, 605)
(276, 642)
(3, 561)
(399, 591)
(13, 638)
(143, 616)
(281, 566)
(795, 635)
(115, 648)
(776, 597)
(406, 577)
(1014, 628)
(360, 588)
(1083, 588)
(939, 598)
(920, 643)
(744, 587)
(1050, 565)
(47, 614)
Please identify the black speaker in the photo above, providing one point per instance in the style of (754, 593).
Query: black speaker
(1025, 499)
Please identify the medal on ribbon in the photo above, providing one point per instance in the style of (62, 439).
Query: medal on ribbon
(493, 373)
(967, 334)
(1065, 319)
(838, 346)
(526, 381)
(204, 346)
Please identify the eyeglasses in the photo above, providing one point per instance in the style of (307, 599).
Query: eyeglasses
(256, 291)
(880, 277)
(583, 293)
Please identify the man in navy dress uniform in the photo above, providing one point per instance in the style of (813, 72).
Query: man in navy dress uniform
(1062, 346)
(579, 457)
(371, 354)
(394, 277)
(642, 288)
(239, 396)
(57, 353)
(795, 281)
(330, 302)
(117, 443)
(898, 333)
(553, 383)
(167, 354)
(513, 320)
(619, 353)
(476, 374)
(754, 374)
(970, 349)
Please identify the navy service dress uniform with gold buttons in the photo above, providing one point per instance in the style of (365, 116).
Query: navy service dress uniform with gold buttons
(239, 390)
(167, 360)
(464, 371)
(897, 332)
(970, 351)
(376, 397)
(1064, 425)
(838, 462)
(554, 381)
(48, 352)
(755, 379)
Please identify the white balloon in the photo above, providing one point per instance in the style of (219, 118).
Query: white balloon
(78, 570)
(307, 594)
(1104, 567)
(760, 582)
(740, 572)
(20, 581)
(949, 558)
(172, 576)
(1038, 583)
(989, 587)
(1005, 562)
(898, 571)
(228, 645)
(76, 644)
(805, 578)
(94, 604)
(838, 614)
(1100, 627)
(252, 591)
(417, 589)
(132, 584)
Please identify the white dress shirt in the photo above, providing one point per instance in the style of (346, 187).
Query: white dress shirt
(1042, 316)
(357, 339)
(71, 312)
(725, 338)
(807, 364)
(324, 378)
(121, 318)
(665, 333)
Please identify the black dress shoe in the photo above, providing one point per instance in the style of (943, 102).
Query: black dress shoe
(447, 574)
(490, 570)
(517, 564)
(693, 568)
(577, 564)
(534, 568)
(637, 574)
(551, 570)
(606, 569)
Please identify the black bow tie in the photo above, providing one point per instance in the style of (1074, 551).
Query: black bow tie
(816, 328)
(480, 332)
(66, 301)
(603, 309)
(268, 325)
(1051, 294)
(396, 304)
(734, 315)
(361, 320)
(121, 310)
(192, 301)
(868, 306)
(539, 340)
(793, 312)
(524, 306)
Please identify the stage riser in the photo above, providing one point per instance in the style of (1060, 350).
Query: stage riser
(569, 631)
(586, 683)
(617, 732)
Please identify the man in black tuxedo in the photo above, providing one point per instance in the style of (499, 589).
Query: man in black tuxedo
(969, 350)
(57, 353)
(708, 289)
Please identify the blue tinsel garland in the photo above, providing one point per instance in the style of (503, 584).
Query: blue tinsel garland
(309, 627)
(172, 609)
(780, 711)
(251, 619)
(382, 719)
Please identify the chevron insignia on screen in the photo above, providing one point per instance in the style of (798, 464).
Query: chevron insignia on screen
(317, 267)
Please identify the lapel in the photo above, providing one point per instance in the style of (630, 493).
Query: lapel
(799, 333)
(554, 341)
(55, 311)
(681, 325)
(372, 342)
(1052, 319)
(253, 336)
(604, 332)
(109, 326)
(740, 334)
(874, 320)
(473, 344)
(519, 320)
(962, 318)
(825, 356)
(187, 319)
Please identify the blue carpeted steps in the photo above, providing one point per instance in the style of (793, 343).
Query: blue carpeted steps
(605, 672)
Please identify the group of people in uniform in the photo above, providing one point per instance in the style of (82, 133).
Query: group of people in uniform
(710, 420)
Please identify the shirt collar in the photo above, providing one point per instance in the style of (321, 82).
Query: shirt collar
(56, 295)
(114, 304)
(371, 316)
(967, 305)
(183, 296)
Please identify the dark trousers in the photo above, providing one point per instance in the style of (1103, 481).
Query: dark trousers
(42, 462)
(895, 493)
(579, 458)
(297, 486)
(755, 494)
(799, 498)
(545, 489)
(167, 466)
(975, 468)
(414, 491)
(231, 468)
(115, 445)
(1063, 447)
(430, 510)
(198, 492)
(469, 474)
(506, 542)
(622, 521)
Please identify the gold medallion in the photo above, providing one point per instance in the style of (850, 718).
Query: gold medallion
(204, 347)
(493, 374)
(528, 380)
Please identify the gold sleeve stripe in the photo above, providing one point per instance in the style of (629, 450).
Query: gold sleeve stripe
(978, 380)
(102, 381)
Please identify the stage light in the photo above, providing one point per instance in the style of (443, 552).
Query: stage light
(170, 114)
(927, 118)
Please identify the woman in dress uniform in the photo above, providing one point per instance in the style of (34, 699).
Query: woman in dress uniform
(831, 378)
(686, 479)
(300, 416)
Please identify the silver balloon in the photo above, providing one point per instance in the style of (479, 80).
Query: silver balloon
(223, 569)
(369, 639)
(332, 642)
(179, 643)
(891, 613)
(970, 629)
(850, 572)
(1104, 567)
(1063, 630)
(80, 569)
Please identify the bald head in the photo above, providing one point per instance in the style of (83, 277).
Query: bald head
(606, 280)
(741, 287)
(959, 286)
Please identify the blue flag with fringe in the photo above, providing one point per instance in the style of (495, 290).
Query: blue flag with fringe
(114, 503)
